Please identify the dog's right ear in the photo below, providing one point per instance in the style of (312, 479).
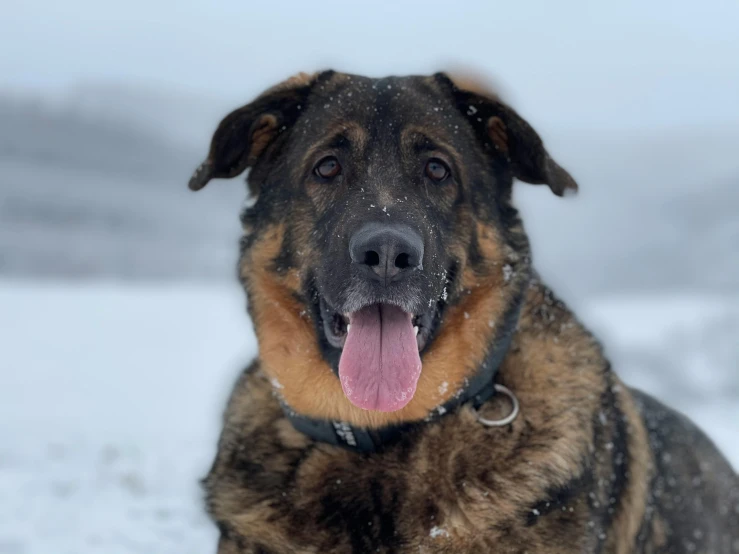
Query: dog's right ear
(245, 134)
(512, 137)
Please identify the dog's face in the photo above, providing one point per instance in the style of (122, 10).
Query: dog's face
(382, 249)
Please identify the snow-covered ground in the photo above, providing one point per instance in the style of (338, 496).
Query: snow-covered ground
(110, 397)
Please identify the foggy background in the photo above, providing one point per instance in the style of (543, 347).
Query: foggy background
(121, 323)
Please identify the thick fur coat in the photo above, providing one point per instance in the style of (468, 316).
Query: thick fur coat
(589, 465)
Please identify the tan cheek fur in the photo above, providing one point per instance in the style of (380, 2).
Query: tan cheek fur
(289, 351)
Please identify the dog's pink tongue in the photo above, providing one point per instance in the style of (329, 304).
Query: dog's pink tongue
(380, 364)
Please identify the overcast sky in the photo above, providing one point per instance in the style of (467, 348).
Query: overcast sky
(569, 63)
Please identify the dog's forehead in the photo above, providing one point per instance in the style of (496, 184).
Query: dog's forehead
(363, 98)
(385, 89)
(383, 105)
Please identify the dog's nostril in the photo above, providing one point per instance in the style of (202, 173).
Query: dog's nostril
(371, 258)
(384, 252)
(402, 261)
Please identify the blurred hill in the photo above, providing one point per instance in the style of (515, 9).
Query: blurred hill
(94, 185)
(657, 210)
(70, 137)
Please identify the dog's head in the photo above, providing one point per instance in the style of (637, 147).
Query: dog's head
(381, 253)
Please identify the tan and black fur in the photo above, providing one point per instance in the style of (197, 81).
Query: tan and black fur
(588, 466)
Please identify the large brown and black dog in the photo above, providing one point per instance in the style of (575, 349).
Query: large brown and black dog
(398, 317)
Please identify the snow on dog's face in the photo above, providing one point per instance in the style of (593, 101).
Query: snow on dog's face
(381, 247)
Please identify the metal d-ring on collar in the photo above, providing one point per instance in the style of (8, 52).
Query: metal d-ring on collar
(510, 417)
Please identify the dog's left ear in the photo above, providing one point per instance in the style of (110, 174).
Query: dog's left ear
(245, 134)
(509, 134)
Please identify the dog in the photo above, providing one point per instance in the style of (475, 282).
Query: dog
(417, 387)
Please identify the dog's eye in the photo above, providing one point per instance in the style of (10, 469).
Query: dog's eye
(436, 170)
(328, 168)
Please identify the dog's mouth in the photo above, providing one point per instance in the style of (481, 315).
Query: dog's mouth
(381, 346)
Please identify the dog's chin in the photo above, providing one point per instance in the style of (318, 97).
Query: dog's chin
(381, 346)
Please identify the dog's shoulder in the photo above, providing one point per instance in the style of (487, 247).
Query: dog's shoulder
(695, 492)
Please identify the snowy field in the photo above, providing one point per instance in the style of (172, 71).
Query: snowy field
(110, 397)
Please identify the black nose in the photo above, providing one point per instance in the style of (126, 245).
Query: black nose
(386, 252)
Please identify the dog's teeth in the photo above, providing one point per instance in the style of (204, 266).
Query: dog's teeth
(349, 326)
(415, 330)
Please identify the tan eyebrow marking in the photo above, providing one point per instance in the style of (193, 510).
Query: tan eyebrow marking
(409, 139)
(351, 130)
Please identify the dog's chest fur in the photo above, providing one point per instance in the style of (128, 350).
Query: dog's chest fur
(567, 476)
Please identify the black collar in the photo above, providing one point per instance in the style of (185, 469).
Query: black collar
(478, 390)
